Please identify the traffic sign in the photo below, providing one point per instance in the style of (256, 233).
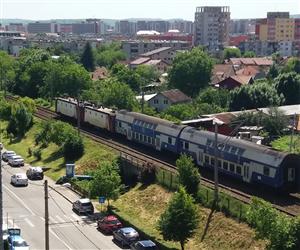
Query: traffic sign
(101, 199)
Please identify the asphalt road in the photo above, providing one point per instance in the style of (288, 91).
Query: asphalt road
(24, 208)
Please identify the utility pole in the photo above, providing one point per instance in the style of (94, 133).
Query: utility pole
(46, 216)
(292, 132)
(216, 177)
(78, 114)
(1, 205)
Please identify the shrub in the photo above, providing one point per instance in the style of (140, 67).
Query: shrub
(73, 147)
(37, 154)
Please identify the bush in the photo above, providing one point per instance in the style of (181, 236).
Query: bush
(148, 175)
(37, 154)
(73, 147)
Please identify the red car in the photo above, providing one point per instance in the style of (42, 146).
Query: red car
(108, 224)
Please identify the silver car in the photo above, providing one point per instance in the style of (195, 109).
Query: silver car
(83, 206)
(19, 180)
(16, 161)
(7, 154)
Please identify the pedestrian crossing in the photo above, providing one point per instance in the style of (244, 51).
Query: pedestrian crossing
(54, 220)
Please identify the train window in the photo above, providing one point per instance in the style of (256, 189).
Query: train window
(141, 137)
(266, 171)
(231, 167)
(169, 140)
(120, 124)
(240, 151)
(233, 150)
(206, 159)
(225, 165)
(291, 174)
(149, 139)
(219, 163)
(227, 148)
(238, 170)
(212, 161)
(186, 145)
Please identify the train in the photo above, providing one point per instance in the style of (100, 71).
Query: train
(240, 159)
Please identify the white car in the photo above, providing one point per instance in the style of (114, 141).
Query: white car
(7, 154)
(19, 180)
(16, 161)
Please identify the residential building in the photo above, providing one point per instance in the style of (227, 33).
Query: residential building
(158, 64)
(165, 99)
(183, 26)
(242, 26)
(38, 27)
(16, 27)
(233, 82)
(221, 72)
(85, 28)
(134, 48)
(166, 54)
(211, 27)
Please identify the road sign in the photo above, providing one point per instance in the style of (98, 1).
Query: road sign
(101, 199)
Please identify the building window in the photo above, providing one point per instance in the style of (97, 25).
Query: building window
(166, 101)
(266, 171)
(225, 165)
(155, 101)
(169, 140)
(238, 170)
(231, 167)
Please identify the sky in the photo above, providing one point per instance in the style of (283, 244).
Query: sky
(122, 9)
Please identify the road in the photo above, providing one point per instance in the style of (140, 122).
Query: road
(24, 208)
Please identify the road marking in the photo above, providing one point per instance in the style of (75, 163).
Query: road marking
(29, 222)
(19, 199)
(59, 219)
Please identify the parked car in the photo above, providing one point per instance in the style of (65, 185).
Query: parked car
(144, 245)
(7, 231)
(16, 161)
(125, 236)
(83, 206)
(35, 173)
(16, 242)
(7, 154)
(19, 179)
(108, 224)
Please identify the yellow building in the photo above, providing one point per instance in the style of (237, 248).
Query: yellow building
(284, 29)
(263, 32)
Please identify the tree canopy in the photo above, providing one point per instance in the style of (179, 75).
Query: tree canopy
(87, 58)
(109, 55)
(292, 65)
(191, 71)
(249, 54)
(7, 69)
(260, 94)
(231, 53)
(180, 219)
(288, 85)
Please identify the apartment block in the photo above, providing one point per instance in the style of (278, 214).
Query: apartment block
(211, 27)
(38, 27)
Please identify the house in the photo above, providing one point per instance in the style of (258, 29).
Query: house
(158, 64)
(234, 82)
(239, 63)
(255, 71)
(100, 73)
(165, 99)
(166, 54)
(221, 72)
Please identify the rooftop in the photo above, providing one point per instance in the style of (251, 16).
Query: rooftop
(175, 96)
(156, 51)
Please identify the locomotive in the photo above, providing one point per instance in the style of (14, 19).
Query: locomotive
(243, 160)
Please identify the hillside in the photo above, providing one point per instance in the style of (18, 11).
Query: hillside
(142, 206)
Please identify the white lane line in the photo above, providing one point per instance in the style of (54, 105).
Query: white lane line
(59, 219)
(62, 241)
(19, 199)
(29, 222)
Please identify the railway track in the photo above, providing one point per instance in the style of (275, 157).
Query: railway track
(144, 159)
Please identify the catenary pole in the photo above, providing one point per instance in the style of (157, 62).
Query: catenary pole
(46, 216)
(216, 177)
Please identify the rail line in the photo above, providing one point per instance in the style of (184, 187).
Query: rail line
(46, 114)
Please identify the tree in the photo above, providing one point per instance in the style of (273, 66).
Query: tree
(218, 97)
(273, 72)
(249, 54)
(292, 65)
(20, 120)
(191, 71)
(274, 122)
(87, 58)
(288, 85)
(231, 53)
(260, 94)
(180, 219)
(7, 70)
(189, 176)
(109, 55)
(106, 182)
(73, 147)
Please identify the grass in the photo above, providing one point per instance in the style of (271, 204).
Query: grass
(52, 156)
(283, 144)
(142, 206)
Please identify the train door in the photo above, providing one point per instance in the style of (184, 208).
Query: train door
(157, 143)
(247, 174)
(200, 157)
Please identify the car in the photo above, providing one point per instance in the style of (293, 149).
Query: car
(16, 242)
(144, 245)
(125, 236)
(7, 154)
(108, 224)
(16, 161)
(83, 206)
(19, 179)
(35, 173)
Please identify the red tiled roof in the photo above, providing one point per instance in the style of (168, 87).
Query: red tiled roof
(221, 72)
(243, 80)
(248, 71)
(176, 96)
(259, 61)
